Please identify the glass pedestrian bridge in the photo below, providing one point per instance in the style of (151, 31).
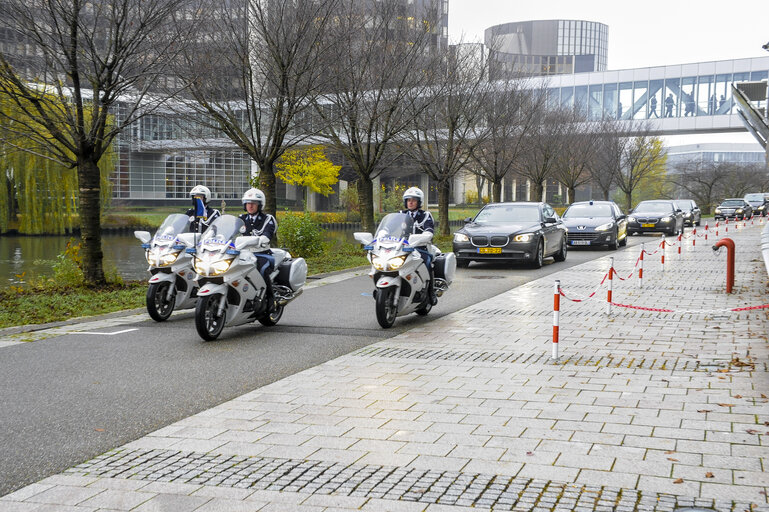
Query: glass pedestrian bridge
(678, 99)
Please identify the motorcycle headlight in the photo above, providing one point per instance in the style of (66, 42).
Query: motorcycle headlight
(461, 237)
(605, 227)
(159, 258)
(396, 263)
(666, 219)
(379, 263)
(526, 237)
(206, 267)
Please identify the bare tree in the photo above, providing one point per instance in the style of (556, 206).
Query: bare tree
(380, 68)
(610, 148)
(253, 69)
(642, 155)
(740, 179)
(542, 149)
(579, 155)
(88, 58)
(702, 182)
(511, 110)
(442, 138)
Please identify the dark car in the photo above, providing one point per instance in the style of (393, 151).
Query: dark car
(692, 214)
(596, 223)
(733, 209)
(657, 216)
(759, 202)
(512, 232)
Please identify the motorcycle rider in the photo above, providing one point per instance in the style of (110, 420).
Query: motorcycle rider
(413, 198)
(199, 225)
(260, 223)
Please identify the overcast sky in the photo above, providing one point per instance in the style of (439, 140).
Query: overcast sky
(641, 34)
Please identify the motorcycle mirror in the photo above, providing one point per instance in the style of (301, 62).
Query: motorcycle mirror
(143, 236)
(363, 238)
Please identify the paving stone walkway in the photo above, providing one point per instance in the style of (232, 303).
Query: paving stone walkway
(643, 410)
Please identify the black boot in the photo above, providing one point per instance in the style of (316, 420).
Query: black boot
(431, 289)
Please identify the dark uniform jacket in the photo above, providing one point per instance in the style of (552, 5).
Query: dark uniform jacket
(423, 221)
(211, 215)
(260, 224)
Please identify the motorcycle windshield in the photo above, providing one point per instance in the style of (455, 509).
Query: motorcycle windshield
(220, 234)
(174, 224)
(395, 227)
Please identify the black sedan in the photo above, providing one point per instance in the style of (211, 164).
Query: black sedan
(592, 223)
(692, 214)
(656, 216)
(733, 209)
(759, 202)
(512, 232)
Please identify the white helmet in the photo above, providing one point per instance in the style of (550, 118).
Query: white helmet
(414, 193)
(200, 190)
(254, 195)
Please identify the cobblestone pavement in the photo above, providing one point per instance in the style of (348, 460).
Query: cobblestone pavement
(643, 410)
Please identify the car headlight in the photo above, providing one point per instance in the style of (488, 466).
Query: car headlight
(666, 219)
(631, 219)
(739, 210)
(526, 237)
(688, 214)
(605, 227)
(461, 237)
(205, 267)
(718, 210)
(159, 258)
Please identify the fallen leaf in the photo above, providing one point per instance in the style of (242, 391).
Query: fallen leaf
(723, 370)
(737, 396)
(722, 378)
(704, 410)
(99, 429)
(670, 451)
(766, 423)
(678, 481)
(764, 396)
(529, 453)
(709, 475)
(672, 459)
(751, 431)
(726, 405)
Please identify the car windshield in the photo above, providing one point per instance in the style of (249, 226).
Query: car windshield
(395, 226)
(221, 232)
(733, 202)
(684, 204)
(757, 198)
(499, 213)
(653, 207)
(587, 210)
(173, 225)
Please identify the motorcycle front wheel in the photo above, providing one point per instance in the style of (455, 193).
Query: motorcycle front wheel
(386, 309)
(207, 323)
(158, 307)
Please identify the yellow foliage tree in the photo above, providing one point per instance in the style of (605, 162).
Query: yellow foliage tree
(309, 168)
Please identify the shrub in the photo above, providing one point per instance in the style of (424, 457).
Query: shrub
(67, 270)
(301, 234)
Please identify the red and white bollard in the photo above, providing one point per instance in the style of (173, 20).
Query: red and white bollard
(662, 259)
(611, 281)
(716, 228)
(556, 316)
(694, 238)
(706, 231)
(726, 229)
(641, 268)
(679, 246)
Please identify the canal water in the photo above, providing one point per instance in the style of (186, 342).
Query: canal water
(31, 257)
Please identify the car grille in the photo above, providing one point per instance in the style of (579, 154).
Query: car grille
(582, 236)
(498, 241)
(646, 220)
(480, 241)
(727, 212)
(483, 241)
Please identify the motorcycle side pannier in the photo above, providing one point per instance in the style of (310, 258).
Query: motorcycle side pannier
(446, 266)
(292, 273)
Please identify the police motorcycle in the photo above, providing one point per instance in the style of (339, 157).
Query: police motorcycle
(399, 272)
(232, 291)
(172, 284)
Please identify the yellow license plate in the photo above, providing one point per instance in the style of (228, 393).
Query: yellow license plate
(489, 250)
(647, 225)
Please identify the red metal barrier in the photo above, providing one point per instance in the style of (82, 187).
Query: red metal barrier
(729, 244)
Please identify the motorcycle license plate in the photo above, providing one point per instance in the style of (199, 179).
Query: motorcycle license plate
(580, 242)
(489, 250)
(647, 225)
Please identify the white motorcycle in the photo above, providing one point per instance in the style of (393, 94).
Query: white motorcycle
(398, 270)
(232, 291)
(172, 285)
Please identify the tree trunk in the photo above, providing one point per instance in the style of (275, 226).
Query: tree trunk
(606, 194)
(572, 191)
(538, 189)
(629, 200)
(366, 198)
(497, 191)
(267, 185)
(443, 207)
(89, 182)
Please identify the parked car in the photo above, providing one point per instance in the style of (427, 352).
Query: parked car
(759, 202)
(512, 232)
(656, 216)
(596, 223)
(734, 208)
(692, 214)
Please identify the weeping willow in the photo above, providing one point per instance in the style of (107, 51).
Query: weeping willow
(38, 195)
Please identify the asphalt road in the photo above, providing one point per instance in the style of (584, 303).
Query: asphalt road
(67, 399)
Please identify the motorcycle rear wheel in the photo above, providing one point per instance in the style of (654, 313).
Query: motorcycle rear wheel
(207, 323)
(386, 311)
(158, 307)
(270, 319)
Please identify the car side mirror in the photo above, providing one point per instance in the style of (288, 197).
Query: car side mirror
(679, 210)
(550, 220)
(468, 220)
